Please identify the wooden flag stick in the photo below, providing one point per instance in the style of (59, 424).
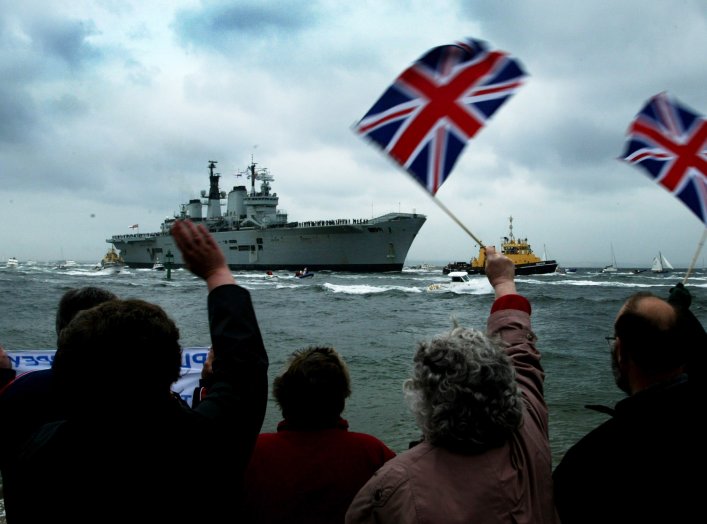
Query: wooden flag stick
(694, 259)
(451, 215)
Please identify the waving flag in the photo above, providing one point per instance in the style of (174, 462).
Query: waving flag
(434, 107)
(669, 141)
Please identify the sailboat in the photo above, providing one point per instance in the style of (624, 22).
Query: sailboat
(661, 264)
(611, 268)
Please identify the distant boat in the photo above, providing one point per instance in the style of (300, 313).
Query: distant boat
(305, 273)
(66, 264)
(661, 264)
(457, 280)
(158, 266)
(518, 250)
(611, 268)
(12, 262)
(111, 262)
(565, 270)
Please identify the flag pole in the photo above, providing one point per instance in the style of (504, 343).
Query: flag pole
(451, 215)
(694, 258)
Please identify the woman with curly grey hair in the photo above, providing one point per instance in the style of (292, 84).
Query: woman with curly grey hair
(478, 399)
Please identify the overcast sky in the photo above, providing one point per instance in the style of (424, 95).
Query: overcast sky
(111, 109)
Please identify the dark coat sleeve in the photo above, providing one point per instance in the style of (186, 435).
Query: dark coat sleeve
(238, 388)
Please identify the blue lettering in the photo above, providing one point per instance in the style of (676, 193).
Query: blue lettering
(193, 359)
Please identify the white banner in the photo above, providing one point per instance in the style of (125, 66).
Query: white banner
(192, 361)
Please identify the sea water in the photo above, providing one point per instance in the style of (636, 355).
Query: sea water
(375, 321)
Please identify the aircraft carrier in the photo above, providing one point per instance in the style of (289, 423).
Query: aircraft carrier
(255, 235)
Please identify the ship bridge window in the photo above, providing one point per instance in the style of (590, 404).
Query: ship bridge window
(233, 241)
(244, 248)
(258, 240)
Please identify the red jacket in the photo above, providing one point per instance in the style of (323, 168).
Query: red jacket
(298, 476)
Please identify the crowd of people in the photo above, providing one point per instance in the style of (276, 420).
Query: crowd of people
(74, 448)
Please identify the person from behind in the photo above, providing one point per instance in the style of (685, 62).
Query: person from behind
(311, 468)
(478, 398)
(638, 466)
(681, 298)
(125, 457)
(30, 400)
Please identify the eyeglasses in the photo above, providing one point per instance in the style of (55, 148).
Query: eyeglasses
(610, 341)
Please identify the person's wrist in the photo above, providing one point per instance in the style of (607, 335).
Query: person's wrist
(505, 288)
(220, 277)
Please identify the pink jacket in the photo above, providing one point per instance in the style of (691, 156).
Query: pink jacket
(509, 484)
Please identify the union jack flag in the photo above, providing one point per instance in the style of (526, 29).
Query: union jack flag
(424, 119)
(669, 141)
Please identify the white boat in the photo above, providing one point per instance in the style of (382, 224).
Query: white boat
(661, 264)
(158, 266)
(12, 262)
(611, 268)
(457, 280)
(66, 264)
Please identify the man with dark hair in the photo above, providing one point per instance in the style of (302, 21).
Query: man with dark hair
(636, 466)
(30, 399)
(78, 299)
(128, 459)
(310, 470)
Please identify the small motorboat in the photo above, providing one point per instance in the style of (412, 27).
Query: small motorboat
(305, 273)
(158, 266)
(457, 280)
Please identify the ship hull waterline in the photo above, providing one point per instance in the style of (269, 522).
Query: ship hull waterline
(533, 268)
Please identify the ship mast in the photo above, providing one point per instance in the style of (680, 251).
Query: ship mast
(214, 202)
(510, 229)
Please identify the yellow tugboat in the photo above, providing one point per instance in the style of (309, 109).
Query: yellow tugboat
(111, 262)
(517, 249)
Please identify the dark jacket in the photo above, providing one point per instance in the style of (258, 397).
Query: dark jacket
(140, 462)
(637, 466)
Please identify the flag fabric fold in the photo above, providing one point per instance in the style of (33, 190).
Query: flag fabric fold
(134, 226)
(669, 141)
(425, 118)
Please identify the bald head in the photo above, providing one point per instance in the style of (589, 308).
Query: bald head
(650, 334)
(656, 310)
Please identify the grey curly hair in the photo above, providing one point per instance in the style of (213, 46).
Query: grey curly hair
(463, 391)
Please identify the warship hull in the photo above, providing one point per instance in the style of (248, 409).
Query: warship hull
(373, 245)
(255, 235)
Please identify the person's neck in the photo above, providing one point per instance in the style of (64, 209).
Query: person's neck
(641, 381)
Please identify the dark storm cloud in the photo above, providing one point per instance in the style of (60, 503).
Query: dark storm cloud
(220, 25)
(17, 115)
(63, 40)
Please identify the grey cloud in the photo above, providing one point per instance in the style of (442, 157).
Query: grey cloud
(219, 25)
(64, 40)
(18, 115)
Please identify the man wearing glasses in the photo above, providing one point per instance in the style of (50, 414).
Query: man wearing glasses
(637, 466)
